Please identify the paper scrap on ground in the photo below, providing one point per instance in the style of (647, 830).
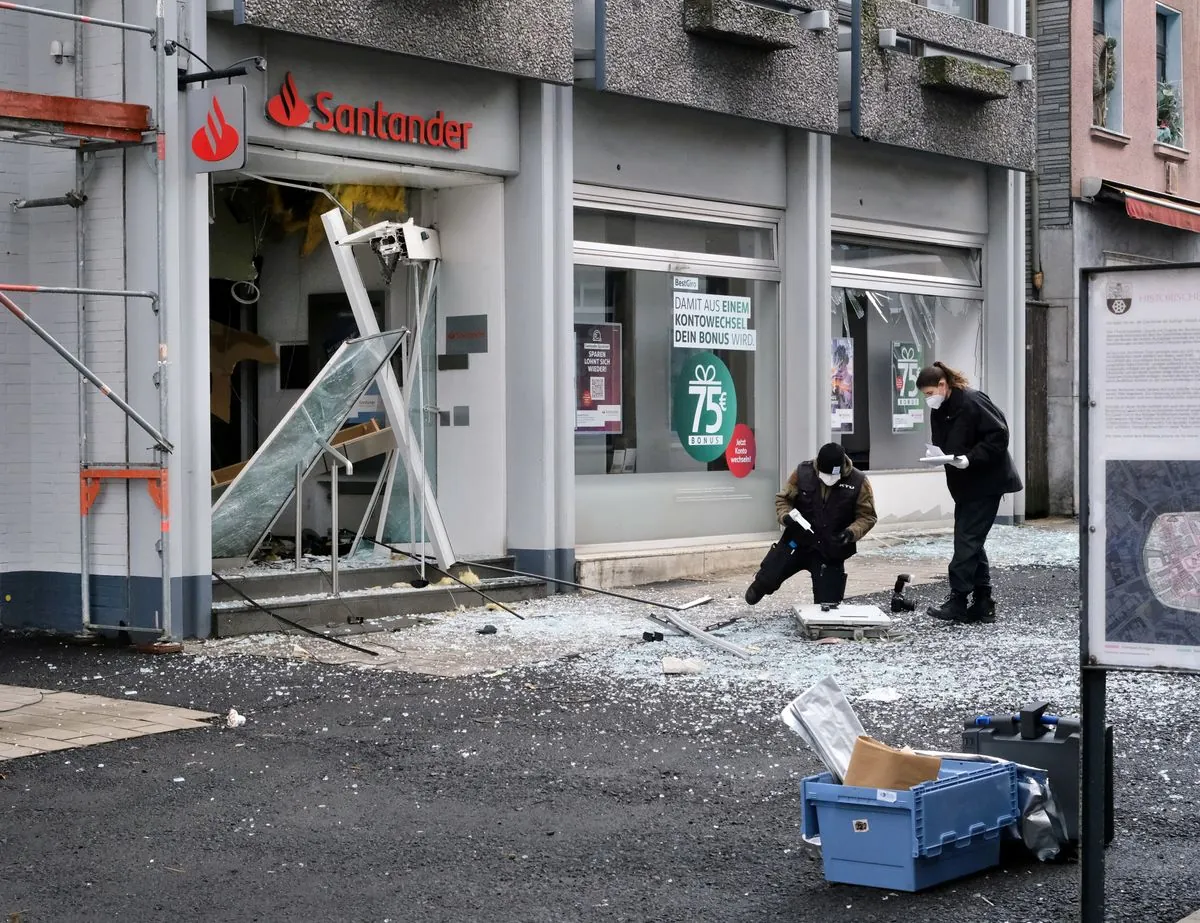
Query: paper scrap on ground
(673, 666)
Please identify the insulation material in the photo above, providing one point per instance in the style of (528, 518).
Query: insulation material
(231, 245)
(375, 203)
(226, 348)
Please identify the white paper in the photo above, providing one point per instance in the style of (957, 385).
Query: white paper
(938, 459)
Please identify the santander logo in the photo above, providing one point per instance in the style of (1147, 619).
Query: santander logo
(286, 108)
(216, 139)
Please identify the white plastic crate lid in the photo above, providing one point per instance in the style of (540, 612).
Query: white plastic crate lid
(811, 616)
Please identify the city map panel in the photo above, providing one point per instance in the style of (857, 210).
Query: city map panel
(1152, 552)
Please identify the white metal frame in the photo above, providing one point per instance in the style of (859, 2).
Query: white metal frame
(410, 446)
(594, 253)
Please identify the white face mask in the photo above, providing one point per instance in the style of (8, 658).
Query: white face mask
(934, 401)
(829, 479)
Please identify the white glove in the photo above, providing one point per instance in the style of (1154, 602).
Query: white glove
(960, 461)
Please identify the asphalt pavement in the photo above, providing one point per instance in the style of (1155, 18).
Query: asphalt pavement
(589, 789)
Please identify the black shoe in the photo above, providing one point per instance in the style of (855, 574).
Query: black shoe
(753, 594)
(983, 607)
(954, 609)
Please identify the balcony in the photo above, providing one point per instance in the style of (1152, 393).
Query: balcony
(773, 60)
(524, 39)
(940, 83)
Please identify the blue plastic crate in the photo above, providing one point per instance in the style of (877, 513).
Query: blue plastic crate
(911, 840)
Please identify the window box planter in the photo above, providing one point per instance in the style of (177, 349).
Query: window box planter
(742, 24)
(965, 78)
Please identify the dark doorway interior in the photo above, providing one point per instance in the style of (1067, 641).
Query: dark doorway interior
(232, 441)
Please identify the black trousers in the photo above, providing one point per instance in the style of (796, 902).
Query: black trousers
(973, 521)
(783, 561)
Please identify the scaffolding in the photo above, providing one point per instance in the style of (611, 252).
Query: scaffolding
(86, 126)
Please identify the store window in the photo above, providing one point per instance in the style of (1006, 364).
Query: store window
(1169, 72)
(1107, 55)
(676, 375)
(896, 308)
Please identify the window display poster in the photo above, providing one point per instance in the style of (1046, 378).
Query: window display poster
(598, 378)
(841, 385)
(741, 451)
(702, 321)
(908, 410)
(705, 407)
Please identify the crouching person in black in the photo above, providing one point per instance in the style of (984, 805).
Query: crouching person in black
(825, 508)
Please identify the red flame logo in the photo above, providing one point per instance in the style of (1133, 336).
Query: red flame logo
(216, 139)
(287, 108)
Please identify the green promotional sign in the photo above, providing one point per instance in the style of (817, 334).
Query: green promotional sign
(705, 406)
(908, 406)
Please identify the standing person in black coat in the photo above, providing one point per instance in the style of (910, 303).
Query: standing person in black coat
(966, 424)
(825, 508)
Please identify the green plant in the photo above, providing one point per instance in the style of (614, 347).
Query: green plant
(1170, 115)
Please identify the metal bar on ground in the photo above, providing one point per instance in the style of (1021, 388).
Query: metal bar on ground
(703, 600)
(446, 573)
(291, 624)
(86, 20)
(667, 623)
(700, 635)
(87, 373)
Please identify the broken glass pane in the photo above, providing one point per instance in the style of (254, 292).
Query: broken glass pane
(404, 513)
(248, 509)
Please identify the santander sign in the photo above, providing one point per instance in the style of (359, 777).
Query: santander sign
(289, 109)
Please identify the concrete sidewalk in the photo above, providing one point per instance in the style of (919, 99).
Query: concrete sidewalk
(34, 721)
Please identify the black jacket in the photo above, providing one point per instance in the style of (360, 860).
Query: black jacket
(969, 424)
(848, 504)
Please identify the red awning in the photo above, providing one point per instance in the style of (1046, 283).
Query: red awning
(1174, 214)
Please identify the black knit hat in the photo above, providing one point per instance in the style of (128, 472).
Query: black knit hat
(831, 459)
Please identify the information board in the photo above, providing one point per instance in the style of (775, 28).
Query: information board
(1140, 467)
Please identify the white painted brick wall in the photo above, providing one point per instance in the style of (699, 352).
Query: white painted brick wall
(39, 456)
(15, 340)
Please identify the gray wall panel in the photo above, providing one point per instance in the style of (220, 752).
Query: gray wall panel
(872, 182)
(892, 106)
(634, 144)
(513, 37)
(646, 51)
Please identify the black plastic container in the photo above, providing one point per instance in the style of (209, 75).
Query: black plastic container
(1047, 742)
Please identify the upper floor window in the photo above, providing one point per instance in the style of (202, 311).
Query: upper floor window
(967, 9)
(1168, 40)
(1106, 64)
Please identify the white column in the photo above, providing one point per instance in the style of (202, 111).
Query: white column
(540, 337)
(1004, 315)
(805, 326)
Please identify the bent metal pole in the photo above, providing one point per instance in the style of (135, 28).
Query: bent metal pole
(85, 372)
